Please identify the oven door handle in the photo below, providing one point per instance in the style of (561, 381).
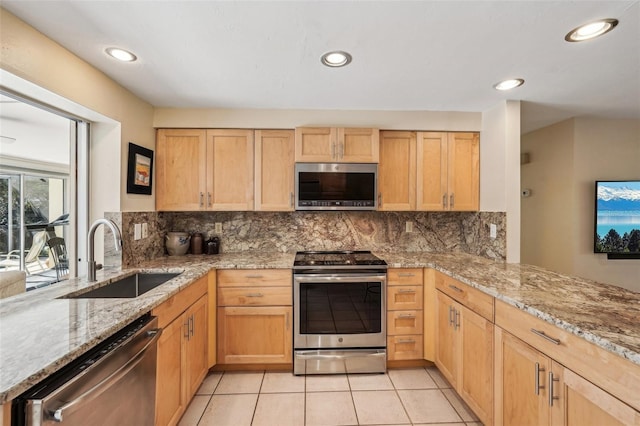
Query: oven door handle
(335, 356)
(314, 278)
(104, 384)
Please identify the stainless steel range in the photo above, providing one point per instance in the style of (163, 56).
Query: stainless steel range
(339, 312)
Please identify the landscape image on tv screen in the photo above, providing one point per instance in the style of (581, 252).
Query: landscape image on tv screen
(617, 217)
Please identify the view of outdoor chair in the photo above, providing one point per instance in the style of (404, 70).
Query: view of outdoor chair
(58, 251)
(32, 260)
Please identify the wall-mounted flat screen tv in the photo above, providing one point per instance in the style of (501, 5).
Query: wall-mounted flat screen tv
(617, 223)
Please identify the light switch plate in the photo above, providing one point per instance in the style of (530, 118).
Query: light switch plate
(218, 228)
(493, 230)
(145, 230)
(137, 231)
(408, 226)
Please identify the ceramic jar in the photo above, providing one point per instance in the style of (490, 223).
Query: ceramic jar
(177, 243)
(196, 243)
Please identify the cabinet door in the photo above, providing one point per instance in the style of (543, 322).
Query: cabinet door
(170, 399)
(431, 185)
(476, 352)
(230, 170)
(358, 145)
(315, 144)
(521, 396)
(180, 169)
(249, 335)
(274, 166)
(464, 171)
(397, 171)
(578, 402)
(196, 346)
(446, 341)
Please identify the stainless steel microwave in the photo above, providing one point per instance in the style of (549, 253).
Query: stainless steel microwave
(336, 186)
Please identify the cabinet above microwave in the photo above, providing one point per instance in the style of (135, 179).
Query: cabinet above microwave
(337, 145)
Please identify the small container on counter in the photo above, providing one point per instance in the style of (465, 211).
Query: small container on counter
(196, 243)
(177, 243)
(213, 245)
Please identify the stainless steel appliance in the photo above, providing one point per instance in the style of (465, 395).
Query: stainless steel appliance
(336, 186)
(339, 313)
(113, 384)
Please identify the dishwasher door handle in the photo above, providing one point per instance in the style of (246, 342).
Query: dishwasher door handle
(104, 384)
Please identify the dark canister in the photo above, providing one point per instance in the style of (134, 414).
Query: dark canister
(196, 243)
(213, 245)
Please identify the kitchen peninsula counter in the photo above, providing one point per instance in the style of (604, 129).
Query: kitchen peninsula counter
(40, 333)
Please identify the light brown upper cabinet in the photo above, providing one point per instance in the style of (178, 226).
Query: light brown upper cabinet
(397, 171)
(204, 170)
(336, 145)
(448, 171)
(274, 166)
(181, 176)
(429, 171)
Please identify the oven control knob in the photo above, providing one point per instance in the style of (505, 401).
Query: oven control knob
(340, 339)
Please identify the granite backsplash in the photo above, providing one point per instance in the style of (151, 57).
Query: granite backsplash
(466, 232)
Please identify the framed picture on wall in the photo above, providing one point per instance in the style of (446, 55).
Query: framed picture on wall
(139, 170)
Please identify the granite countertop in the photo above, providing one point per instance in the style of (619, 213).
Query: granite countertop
(39, 333)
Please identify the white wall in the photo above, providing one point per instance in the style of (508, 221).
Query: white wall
(557, 220)
(499, 169)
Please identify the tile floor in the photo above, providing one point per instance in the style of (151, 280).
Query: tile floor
(417, 396)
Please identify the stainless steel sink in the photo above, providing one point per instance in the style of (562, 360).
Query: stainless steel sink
(128, 287)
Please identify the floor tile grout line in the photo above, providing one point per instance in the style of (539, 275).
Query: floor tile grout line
(255, 407)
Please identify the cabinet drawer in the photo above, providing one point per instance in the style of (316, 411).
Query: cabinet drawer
(404, 322)
(404, 297)
(254, 296)
(254, 277)
(404, 276)
(611, 372)
(472, 298)
(404, 347)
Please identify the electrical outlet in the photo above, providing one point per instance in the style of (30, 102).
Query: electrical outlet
(145, 230)
(218, 228)
(137, 231)
(408, 226)
(493, 231)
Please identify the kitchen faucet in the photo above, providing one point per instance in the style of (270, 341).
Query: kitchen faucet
(91, 270)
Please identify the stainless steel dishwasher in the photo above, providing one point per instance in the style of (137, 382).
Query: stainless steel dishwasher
(113, 384)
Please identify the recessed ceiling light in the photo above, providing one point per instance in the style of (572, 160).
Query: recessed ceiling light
(120, 54)
(509, 84)
(591, 30)
(336, 59)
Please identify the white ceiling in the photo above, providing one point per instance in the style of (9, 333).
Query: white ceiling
(407, 55)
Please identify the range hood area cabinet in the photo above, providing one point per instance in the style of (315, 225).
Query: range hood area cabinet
(224, 170)
(337, 145)
(429, 171)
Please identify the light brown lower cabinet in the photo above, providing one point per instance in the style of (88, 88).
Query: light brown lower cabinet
(182, 362)
(254, 334)
(533, 389)
(255, 317)
(464, 354)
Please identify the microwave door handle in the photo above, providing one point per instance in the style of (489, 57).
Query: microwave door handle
(95, 391)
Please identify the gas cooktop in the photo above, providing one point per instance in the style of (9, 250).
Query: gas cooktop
(340, 259)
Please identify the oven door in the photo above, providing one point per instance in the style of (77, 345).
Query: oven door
(343, 310)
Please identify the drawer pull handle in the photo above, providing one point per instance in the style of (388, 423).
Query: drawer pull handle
(457, 324)
(454, 288)
(406, 341)
(406, 316)
(444, 201)
(538, 370)
(450, 315)
(551, 380)
(406, 291)
(255, 295)
(406, 274)
(253, 276)
(544, 336)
